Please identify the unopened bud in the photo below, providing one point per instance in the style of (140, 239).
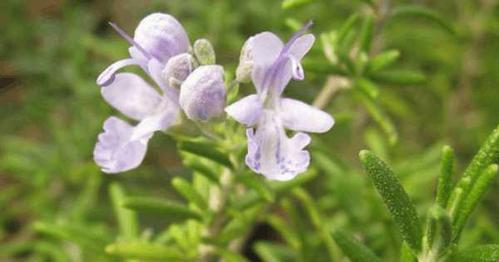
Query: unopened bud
(243, 71)
(203, 50)
(202, 95)
(178, 68)
(162, 36)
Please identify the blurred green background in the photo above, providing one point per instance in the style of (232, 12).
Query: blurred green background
(51, 111)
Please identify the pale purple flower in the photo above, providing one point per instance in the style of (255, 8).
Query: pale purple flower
(202, 95)
(121, 146)
(266, 114)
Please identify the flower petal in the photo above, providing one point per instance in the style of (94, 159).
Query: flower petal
(132, 96)
(246, 111)
(159, 121)
(114, 151)
(162, 36)
(299, 116)
(274, 155)
(265, 49)
(302, 45)
(107, 76)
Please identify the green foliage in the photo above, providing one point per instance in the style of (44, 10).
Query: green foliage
(443, 226)
(395, 198)
(445, 182)
(165, 208)
(482, 253)
(146, 251)
(419, 11)
(355, 251)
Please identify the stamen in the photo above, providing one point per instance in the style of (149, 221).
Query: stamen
(130, 40)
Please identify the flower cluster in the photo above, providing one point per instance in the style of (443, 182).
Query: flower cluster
(189, 81)
(160, 47)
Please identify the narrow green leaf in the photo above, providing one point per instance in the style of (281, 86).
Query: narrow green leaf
(321, 67)
(378, 115)
(81, 236)
(238, 226)
(293, 24)
(456, 197)
(420, 11)
(257, 184)
(285, 186)
(346, 28)
(53, 250)
(146, 251)
(395, 197)
(471, 200)
(438, 233)
(290, 236)
(253, 198)
(406, 254)
(488, 153)
(170, 209)
(382, 61)
(353, 249)
(205, 150)
(271, 252)
(202, 169)
(445, 183)
(366, 33)
(230, 256)
(127, 219)
(286, 4)
(316, 219)
(189, 192)
(483, 253)
(368, 87)
(400, 77)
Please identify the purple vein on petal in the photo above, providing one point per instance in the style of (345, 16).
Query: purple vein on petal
(273, 70)
(130, 40)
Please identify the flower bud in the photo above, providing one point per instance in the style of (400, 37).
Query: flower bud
(162, 36)
(203, 50)
(243, 71)
(202, 95)
(178, 68)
